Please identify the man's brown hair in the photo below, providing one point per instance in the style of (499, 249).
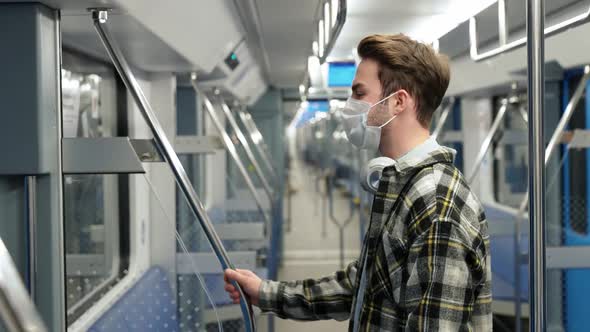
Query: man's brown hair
(410, 65)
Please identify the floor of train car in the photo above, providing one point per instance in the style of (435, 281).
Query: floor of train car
(307, 254)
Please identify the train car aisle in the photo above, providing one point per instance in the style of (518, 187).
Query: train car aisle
(306, 252)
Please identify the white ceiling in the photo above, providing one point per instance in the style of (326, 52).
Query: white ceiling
(424, 20)
(155, 35)
(288, 28)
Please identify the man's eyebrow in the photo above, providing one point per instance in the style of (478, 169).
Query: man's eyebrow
(356, 86)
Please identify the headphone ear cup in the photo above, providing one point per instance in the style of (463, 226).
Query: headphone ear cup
(371, 173)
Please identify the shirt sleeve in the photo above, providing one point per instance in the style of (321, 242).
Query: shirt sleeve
(445, 275)
(311, 299)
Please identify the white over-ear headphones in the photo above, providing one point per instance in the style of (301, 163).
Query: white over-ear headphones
(371, 173)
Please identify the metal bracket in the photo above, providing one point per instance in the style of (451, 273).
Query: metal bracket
(568, 257)
(147, 151)
(580, 139)
(109, 155)
(197, 144)
(452, 136)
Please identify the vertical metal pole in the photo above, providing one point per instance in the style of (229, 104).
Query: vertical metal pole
(341, 232)
(289, 221)
(59, 185)
(324, 205)
(536, 83)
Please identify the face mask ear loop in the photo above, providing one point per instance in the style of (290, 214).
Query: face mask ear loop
(388, 121)
(379, 102)
(384, 99)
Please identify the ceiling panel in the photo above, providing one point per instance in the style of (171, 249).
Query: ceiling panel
(288, 28)
(141, 47)
(420, 19)
(155, 35)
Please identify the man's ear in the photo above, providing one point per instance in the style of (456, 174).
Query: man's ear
(401, 101)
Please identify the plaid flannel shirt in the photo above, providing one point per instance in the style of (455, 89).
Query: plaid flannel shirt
(428, 259)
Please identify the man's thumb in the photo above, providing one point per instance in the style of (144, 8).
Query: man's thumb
(233, 275)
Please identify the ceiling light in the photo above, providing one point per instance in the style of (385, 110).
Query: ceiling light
(448, 19)
(321, 38)
(301, 89)
(314, 70)
(327, 26)
(334, 6)
(436, 45)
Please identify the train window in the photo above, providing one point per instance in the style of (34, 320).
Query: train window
(96, 257)
(189, 122)
(511, 158)
(451, 135)
(575, 173)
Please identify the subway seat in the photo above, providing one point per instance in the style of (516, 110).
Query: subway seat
(148, 306)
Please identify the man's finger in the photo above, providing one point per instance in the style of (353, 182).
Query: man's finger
(235, 276)
(246, 272)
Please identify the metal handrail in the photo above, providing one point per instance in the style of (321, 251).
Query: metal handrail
(232, 121)
(487, 142)
(523, 114)
(548, 32)
(567, 115)
(443, 118)
(17, 310)
(336, 29)
(231, 148)
(99, 18)
(253, 130)
(536, 102)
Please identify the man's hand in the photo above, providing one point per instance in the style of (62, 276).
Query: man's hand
(249, 282)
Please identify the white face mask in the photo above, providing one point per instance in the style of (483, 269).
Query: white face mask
(355, 115)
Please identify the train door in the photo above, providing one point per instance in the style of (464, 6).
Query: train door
(575, 173)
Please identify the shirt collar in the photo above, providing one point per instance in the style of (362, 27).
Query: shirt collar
(425, 154)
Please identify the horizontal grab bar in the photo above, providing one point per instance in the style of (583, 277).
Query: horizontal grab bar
(549, 31)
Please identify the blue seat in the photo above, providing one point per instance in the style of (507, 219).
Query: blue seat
(503, 278)
(148, 306)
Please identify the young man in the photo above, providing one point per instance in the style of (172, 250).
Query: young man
(425, 263)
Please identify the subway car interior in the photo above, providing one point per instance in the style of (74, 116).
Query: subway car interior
(150, 145)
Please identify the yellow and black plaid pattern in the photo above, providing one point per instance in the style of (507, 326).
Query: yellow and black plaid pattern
(427, 252)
